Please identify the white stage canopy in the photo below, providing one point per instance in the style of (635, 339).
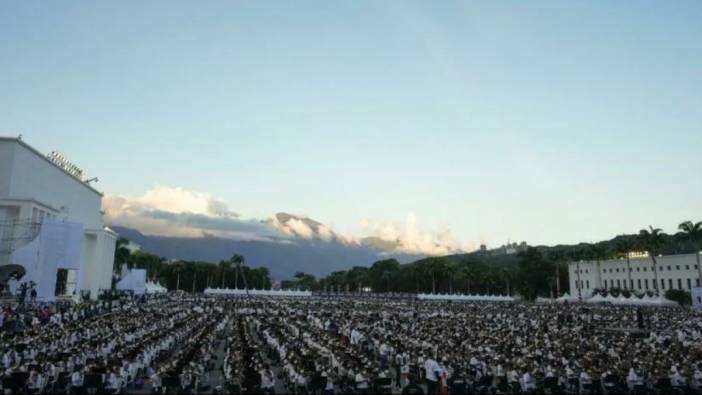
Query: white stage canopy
(134, 280)
(256, 292)
(460, 297)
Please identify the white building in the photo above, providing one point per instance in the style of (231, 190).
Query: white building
(46, 208)
(674, 272)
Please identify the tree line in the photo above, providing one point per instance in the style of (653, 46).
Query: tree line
(536, 271)
(193, 276)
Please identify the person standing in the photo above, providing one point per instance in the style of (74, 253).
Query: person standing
(432, 370)
(267, 380)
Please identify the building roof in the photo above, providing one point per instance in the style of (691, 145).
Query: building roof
(39, 154)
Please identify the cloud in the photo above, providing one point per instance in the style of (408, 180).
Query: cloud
(409, 238)
(178, 212)
(168, 211)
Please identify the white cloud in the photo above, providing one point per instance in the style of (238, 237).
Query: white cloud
(409, 238)
(169, 211)
(175, 211)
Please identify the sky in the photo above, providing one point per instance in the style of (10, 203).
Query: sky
(455, 122)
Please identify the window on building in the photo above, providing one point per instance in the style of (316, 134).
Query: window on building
(638, 283)
(680, 283)
(646, 283)
(585, 271)
(645, 268)
(687, 267)
(588, 283)
(677, 267)
(619, 285)
(697, 280)
(662, 284)
(670, 283)
(632, 284)
(605, 284)
(617, 270)
(689, 284)
(638, 269)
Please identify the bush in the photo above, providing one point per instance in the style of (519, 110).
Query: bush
(676, 295)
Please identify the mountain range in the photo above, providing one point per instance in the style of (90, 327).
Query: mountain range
(312, 248)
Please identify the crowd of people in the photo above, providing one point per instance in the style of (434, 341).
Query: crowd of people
(188, 344)
(344, 346)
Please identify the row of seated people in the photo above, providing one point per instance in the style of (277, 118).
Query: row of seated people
(105, 353)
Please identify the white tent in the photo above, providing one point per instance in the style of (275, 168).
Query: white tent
(632, 300)
(134, 280)
(155, 288)
(461, 297)
(256, 292)
(566, 298)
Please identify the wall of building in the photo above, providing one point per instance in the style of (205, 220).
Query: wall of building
(32, 189)
(32, 176)
(6, 155)
(674, 271)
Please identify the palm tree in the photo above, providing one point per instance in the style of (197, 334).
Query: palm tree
(237, 261)
(577, 255)
(651, 240)
(450, 271)
(224, 267)
(506, 274)
(623, 246)
(693, 233)
(557, 258)
(598, 253)
(436, 265)
(178, 267)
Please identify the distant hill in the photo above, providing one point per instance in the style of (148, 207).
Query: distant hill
(283, 258)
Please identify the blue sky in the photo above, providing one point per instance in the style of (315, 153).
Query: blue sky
(540, 121)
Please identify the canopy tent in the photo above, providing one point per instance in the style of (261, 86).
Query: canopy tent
(256, 292)
(134, 280)
(461, 297)
(566, 298)
(155, 288)
(632, 300)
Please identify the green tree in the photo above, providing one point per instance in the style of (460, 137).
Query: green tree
(532, 266)
(692, 233)
(237, 261)
(623, 246)
(678, 295)
(651, 240)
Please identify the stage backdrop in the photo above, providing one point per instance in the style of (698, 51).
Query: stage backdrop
(57, 246)
(134, 280)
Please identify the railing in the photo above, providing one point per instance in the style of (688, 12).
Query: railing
(15, 234)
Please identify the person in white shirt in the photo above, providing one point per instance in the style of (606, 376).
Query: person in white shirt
(156, 382)
(432, 372)
(528, 382)
(77, 380)
(633, 379)
(362, 383)
(267, 381)
(112, 384)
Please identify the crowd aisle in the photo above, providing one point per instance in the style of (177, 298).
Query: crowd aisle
(200, 345)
